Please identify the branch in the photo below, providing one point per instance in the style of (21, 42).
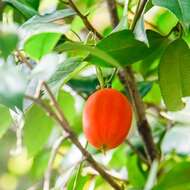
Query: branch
(137, 152)
(128, 80)
(85, 20)
(139, 11)
(113, 12)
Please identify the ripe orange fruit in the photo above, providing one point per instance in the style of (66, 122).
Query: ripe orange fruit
(107, 118)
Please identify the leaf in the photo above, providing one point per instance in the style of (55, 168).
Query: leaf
(67, 103)
(174, 74)
(152, 175)
(177, 139)
(118, 160)
(26, 10)
(144, 88)
(41, 44)
(46, 67)
(12, 87)
(123, 47)
(33, 3)
(5, 120)
(179, 172)
(48, 18)
(37, 129)
(160, 19)
(139, 30)
(135, 173)
(123, 24)
(157, 45)
(84, 85)
(65, 71)
(40, 164)
(179, 7)
(103, 56)
(81, 182)
(154, 95)
(48, 22)
(8, 43)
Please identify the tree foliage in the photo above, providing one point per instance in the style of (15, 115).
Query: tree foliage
(55, 54)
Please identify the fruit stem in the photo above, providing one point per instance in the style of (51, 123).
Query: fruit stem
(100, 76)
(103, 149)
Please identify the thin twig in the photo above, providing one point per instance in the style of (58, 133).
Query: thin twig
(55, 148)
(100, 76)
(56, 106)
(84, 19)
(136, 151)
(140, 8)
(38, 89)
(128, 80)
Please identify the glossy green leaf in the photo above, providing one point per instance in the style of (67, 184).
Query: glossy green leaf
(5, 120)
(102, 55)
(26, 10)
(57, 15)
(179, 7)
(144, 88)
(135, 174)
(123, 24)
(123, 47)
(66, 71)
(41, 44)
(161, 20)
(89, 2)
(32, 3)
(154, 95)
(157, 45)
(84, 85)
(12, 87)
(177, 178)
(8, 43)
(139, 30)
(174, 74)
(37, 129)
